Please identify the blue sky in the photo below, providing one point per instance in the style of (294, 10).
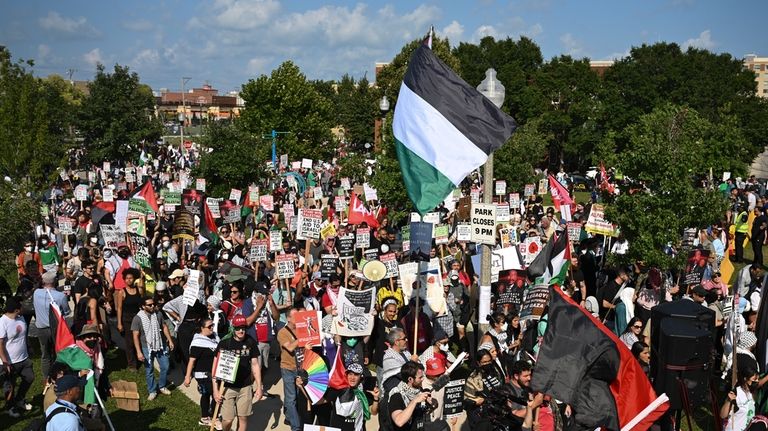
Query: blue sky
(227, 42)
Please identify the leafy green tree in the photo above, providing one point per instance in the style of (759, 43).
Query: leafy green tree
(667, 152)
(356, 108)
(116, 116)
(235, 158)
(287, 102)
(516, 160)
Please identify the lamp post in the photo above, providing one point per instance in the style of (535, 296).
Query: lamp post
(494, 91)
(383, 107)
(183, 114)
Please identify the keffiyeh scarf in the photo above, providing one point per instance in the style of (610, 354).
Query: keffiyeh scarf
(150, 323)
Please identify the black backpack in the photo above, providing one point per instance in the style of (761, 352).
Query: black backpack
(40, 424)
(385, 420)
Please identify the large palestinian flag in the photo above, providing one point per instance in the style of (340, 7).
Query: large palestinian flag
(551, 264)
(444, 129)
(583, 364)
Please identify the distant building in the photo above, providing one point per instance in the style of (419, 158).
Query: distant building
(600, 66)
(379, 67)
(202, 104)
(759, 65)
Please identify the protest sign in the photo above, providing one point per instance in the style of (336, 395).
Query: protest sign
(405, 235)
(288, 210)
(689, 236)
(183, 225)
(464, 232)
(574, 232)
(339, 204)
(284, 160)
(514, 201)
(139, 245)
(474, 194)
(695, 266)
(275, 240)
(235, 195)
(107, 194)
(345, 184)
(253, 195)
(453, 399)
(597, 224)
(81, 192)
(370, 193)
(225, 365)
(328, 263)
(501, 187)
(200, 184)
(421, 240)
(121, 214)
(267, 202)
(112, 235)
(285, 268)
(309, 223)
(504, 237)
(484, 223)
(137, 224)
(192, 289)
(129, 177)
(371, 254)
(565, 212)
(726, 176)
(329, 230)
(536, 300)
(66, 225)
(354, 316)
(192, 201)
(295, 166)
(543, 186)
(106, 166)
(213, 207)
(441, 234)
(390, 262)
(308, 327)
(306, 163)
(529, 190)
(346, 245)
(92, 177)
(169, 197)
(258, 250)
(230, 211)
(532, 249)
(363, 237)
(317, 193)
(502, 213)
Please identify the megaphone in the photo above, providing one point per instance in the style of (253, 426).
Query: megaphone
(374, 270)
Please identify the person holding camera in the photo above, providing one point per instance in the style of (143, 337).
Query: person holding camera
(409, 405)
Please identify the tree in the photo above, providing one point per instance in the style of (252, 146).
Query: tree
(356, 108)
(666, 153)
(516, 160)
(116, 116)
(234, 158)
(34, 118)
(285, 101)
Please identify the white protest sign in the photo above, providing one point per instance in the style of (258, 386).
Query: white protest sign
(192, 289)
(502, 213)
(370, 193)
(112, 236)
(235, 194)
(107, 195)
(345, 184)
(464, 232)
(306, 163)
(501, 187)
(267, 202)
(514, 201)
(81, 192)
(259, 250)
(226, 363)
(200, 184)
(317, 193)
(275, 240)
(483, 217)
(390, 262)
(309, 223)
(213, 206)
(726, 176)
(121, 215)
(285, 269)
(363, 237)
(354, 316)
(284, 160)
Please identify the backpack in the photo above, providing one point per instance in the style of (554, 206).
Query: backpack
(40, 424)
(385, 420)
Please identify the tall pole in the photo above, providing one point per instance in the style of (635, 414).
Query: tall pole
(274, 149)
(183, 114)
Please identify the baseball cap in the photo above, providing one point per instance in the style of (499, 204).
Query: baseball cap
(239, 321)
(68, 381)
(355, 368)
(435, 368)
(177, 273)
(699, 290)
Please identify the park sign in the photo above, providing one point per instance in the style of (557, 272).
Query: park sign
(483, 218)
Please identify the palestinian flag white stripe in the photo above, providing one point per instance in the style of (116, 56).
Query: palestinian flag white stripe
(429, 135)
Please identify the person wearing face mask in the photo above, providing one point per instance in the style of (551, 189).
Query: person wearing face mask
(739, 406)
(201, 356)
(92, 242)
(164, 249)
(27, 254)
(497, 334)
(49, 256)
(436, 360)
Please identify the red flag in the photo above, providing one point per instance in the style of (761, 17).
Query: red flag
(101, 209)
(147, 192)
(604, 183)
(62, 336)
(208, 227)
(338, 377)
(560, 195)
(358, 213)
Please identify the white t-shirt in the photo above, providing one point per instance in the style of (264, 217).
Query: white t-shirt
(15, 334)
(740, 419)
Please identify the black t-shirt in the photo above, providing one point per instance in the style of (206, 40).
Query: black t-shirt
(204, 358)
(344, 395)
(247, 349)
(607, 293)
(417, 419)
(82, 284)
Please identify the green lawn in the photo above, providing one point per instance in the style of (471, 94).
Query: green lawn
(172, 412)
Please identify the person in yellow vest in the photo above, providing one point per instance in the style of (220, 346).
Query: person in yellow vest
(742, 227)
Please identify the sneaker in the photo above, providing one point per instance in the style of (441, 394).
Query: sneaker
(152, 396)
(12, 412)
(165, 391)
(204, 422)
(217, 425)
(24, 405)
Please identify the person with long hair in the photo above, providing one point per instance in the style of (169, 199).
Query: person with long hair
(642, 353)
(201, 355)
(497, 333)
(480, 382)
(632, 332)
(741, 401)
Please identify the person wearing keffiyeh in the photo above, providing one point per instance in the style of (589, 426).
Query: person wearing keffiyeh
(148, 329)
(353, 406)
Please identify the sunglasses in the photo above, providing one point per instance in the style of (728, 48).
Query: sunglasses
(637, 327)
(149, 305)
(240, 328)
(208, 327)
(234, 291)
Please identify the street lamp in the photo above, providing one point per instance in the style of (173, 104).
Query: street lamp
(379, 123)
(494, 91)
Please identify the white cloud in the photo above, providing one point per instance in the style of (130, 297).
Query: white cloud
(704, 41)
(244, 14)
(43, 51)
(138, 25)
(571, 45)
(67, 26)
(146, 57)
(454, 32)
(93, 57)
(258, 66)
(485, 30)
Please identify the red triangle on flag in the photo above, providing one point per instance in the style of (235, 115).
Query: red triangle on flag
(338, 377)
(62, 336)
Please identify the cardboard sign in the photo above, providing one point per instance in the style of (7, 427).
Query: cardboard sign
(66, 225)
(226, 363)
(81, 192)
(441, 234)
(213, 207)
(501, 187)
(285, 268)
(529, 190)
(306, 163)
(346, 246)
(328, 263)
(235, 194)
(354, 317)
(484, 223)
(421, 240)
(275, 240)
(502, 213)
(370, 193)
(200, 184)
(390, 261)
(574, 232)
(464, 232)
(258, 250)
(309, 223)
(308, 327)
(267, 202)
(363, 237)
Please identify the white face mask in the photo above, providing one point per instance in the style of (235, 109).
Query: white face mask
(44, 242)
(28, 249)
(504, 327)
(166, 244)
(94, 240)
(444, 347)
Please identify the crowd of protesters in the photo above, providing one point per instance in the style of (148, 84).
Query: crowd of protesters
(132, 294)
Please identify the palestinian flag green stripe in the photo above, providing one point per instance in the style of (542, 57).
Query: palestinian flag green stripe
(424, 183)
